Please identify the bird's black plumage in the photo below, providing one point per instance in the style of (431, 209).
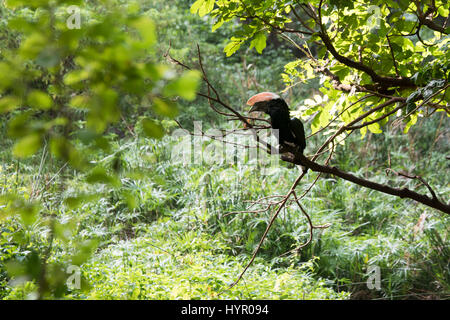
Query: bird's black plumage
(290, 129)
(297, 130)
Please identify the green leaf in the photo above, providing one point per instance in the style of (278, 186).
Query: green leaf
(196, 6)
(412, 119)
(165, 108)
(33, 45)
(12, 4)
(80, 101)
(27, 146)
(185, 86)
(9, 103)
(152, 129)
(233, 46)
(39, 99)
(76, 76)
(12, 204)
(202, 7)
(217, 25)
(374, 128)
(100, 175)
(130, 199)
(363, 132)
(443, 11)
(259, 42)
(146, 29)
(22, 3)
(206, 8)
(404, 4)
(83, 251)
(76, 201)
(63, 149)
(29, 213)
(315, 124)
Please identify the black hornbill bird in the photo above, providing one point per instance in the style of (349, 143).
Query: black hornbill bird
(290, 129)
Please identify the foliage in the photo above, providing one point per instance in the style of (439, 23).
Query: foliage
(190, 266)
(63, 84)
(386, 48)
(179, 234)
(88, 180)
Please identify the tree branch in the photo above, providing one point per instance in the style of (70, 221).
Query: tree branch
(384, 81)
(402, 193)
(377, 119)
(426, 21)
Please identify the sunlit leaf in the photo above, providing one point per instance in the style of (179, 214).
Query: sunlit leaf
(185, 86)
(374, 128)
(39, 99)
(152, 129)
(165, 108)
(27, 146)
(146, 29)
(9, 103)
(259, 42)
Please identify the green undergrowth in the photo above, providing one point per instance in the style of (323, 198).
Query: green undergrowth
(176, 231)
(144, 225)
(166, 264)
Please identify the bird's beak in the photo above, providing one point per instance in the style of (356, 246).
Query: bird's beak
(253, 108)
(261, 107)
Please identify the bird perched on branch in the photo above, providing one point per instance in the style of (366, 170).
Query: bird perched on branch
(290, 129)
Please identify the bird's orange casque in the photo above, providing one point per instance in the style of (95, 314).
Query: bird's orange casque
(262, 96)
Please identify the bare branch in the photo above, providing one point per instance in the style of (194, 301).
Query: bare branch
(385, 81)
(272, 220)
(377, 119)
(433, 194)
(392, 55)
(402, 193)
(426, 19)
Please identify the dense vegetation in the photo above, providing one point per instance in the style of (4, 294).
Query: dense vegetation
(89, 182)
